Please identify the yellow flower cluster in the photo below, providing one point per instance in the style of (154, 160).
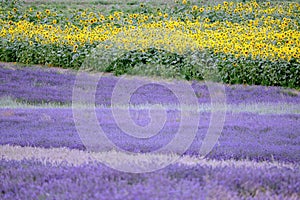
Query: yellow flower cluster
(50, 34)
(266, 42)
(263, 37)
(155, 35)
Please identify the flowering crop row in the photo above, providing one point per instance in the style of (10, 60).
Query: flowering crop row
(40, 85)
(35, 180)
(244, 136)
(54, 127)
(235, 34)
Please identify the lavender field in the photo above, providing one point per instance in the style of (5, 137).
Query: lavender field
(257, 155)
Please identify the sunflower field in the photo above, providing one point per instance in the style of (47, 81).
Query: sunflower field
(251, 42)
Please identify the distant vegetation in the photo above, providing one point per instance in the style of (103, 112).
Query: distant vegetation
(252, 42)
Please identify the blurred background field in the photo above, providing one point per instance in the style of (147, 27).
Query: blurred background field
(244, 42)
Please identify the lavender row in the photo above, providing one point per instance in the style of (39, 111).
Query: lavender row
(51, 85)
(30, 179)
(244, 136)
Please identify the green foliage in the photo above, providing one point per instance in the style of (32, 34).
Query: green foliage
(204, 65)
(50, 55)
(258, 72)
(138, 62)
